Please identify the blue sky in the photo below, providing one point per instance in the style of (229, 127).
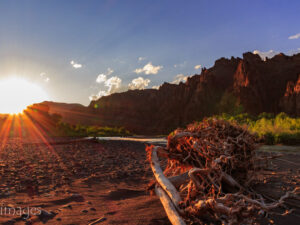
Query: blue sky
(39, 39)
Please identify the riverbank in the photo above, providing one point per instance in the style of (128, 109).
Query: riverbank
(78, 182)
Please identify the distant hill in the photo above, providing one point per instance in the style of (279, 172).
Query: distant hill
(232, 85)
(72, 113)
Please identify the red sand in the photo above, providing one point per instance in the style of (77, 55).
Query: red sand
(80, 182)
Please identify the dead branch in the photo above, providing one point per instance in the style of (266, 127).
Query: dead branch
(162, 180)
(214, 163)
(169, 207)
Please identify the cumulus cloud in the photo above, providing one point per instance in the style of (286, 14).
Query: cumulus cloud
(197, 67)
(141, 58)
(112, 85)
(268, 54)
(179, 78)
(139, 83)
(97, 96)
(93, 97)
(75, 64)
(45, 77)
(148, 69)
(156, 87)
(103, 76)
(296, 36)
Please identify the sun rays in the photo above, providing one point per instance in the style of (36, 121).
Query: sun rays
(16, 94)
(32, 126)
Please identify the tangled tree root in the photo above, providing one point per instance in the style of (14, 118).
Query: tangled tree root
(210, 167)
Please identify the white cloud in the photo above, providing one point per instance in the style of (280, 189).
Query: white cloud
(44, 77)
(296, 36)
(139, 83)
(156, 87)
(103, 76)
(113, 85)
(149, 69)
(93, 97)
(75, 65)
(141, 58)
(268, 54)
(97, 96)
(197, 67)
(179, 78)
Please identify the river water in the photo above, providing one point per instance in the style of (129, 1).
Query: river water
(163, 141)
(148, 140)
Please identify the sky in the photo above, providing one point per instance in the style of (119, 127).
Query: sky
(82, 50)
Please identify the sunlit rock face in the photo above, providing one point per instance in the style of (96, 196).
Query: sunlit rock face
(290, 102)
(270, 85)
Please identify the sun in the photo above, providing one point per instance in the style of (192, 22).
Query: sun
(16, 94)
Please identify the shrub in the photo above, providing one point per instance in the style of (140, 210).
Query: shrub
(279, 129)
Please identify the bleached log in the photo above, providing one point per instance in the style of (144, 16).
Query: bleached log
(162, 179)
(169, 207)
(177, 181)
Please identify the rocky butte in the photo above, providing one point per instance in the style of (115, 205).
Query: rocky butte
(247, 84)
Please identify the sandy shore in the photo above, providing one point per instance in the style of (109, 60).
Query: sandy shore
(81, 182)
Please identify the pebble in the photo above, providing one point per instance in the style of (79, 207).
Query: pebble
(68, 206)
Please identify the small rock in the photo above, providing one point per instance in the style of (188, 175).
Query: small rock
(84, 211)
(68, 206)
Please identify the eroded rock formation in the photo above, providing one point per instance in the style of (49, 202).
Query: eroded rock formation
(270, 85)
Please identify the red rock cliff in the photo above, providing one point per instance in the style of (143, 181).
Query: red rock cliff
(257, 85)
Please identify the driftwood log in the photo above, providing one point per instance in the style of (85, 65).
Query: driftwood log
(207, 178)
(162, 180)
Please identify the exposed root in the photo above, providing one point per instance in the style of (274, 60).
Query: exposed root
(211, 165)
